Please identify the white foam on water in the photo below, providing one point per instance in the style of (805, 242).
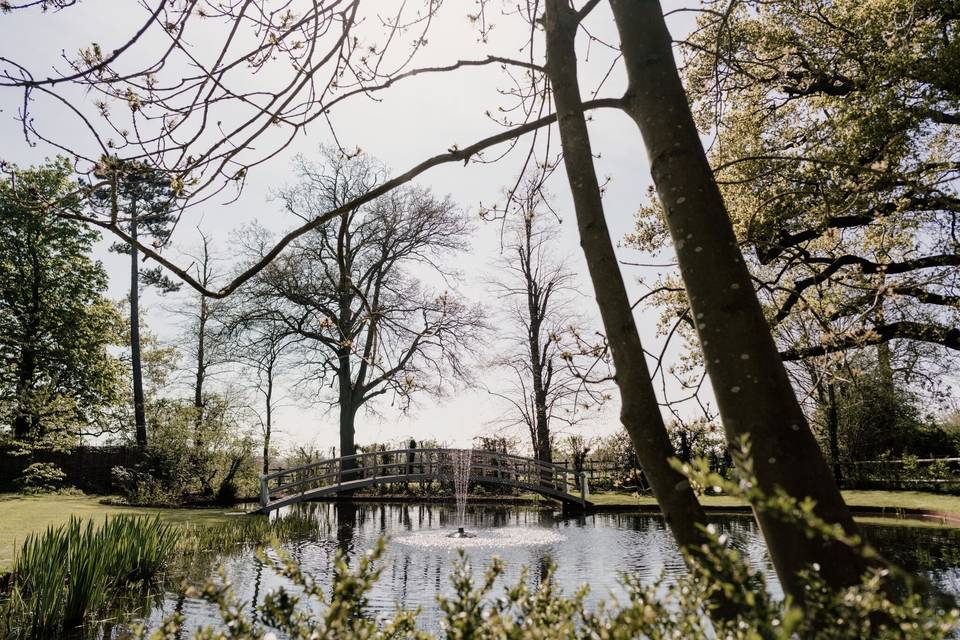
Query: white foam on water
(484, 538)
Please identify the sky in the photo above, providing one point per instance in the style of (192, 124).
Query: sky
(418, 118)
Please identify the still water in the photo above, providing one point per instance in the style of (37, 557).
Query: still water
(593, 550)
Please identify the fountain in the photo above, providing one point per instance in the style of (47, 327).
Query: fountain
(461, 460)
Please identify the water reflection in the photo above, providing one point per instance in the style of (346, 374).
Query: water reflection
(592, 550)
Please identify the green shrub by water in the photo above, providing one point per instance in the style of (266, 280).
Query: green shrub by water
(66, 575)
(885, 605)
(486, 610)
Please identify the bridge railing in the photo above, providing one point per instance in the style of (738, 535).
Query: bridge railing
(414, 464)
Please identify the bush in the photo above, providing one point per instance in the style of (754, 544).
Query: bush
(660, 610)
(42, 477)
(227, 494)
(683, 609)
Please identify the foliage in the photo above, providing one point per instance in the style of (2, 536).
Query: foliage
(660, 610)
(876, 419)
(617, 449)
(701, 438)
(67, 574)
(497, 444)
(175, 466)
(41, 477)
(146, 199)
(837, 139)
(834, 139)
(55, 324)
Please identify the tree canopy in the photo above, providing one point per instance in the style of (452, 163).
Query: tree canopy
(58, 377)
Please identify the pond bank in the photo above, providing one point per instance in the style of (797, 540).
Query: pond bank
(903, 505)
(21, 515)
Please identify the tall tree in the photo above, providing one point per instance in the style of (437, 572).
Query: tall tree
(260, 344)
(204, 342)
(143, 199)
(55, 324)
(753, 391)
(640, 412)
(836, 143)
(366, 325)
(543, 337)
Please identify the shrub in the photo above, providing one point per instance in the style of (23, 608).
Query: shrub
(662, 610)
(659, 610)
(42, 477)
(227, 494)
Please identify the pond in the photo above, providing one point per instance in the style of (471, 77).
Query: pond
(591, 550)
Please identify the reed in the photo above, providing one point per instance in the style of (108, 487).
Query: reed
(65, 575)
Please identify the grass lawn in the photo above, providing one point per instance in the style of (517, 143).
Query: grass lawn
(22, 515)
(879, 499)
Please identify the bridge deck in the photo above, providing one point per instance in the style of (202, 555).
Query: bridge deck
(351, 473)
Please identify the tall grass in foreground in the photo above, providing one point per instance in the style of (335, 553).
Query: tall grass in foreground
(66, 575)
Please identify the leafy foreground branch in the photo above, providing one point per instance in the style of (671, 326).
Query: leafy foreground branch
(660, 610)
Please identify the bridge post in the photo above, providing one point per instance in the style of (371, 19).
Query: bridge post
(584, 489)
(264, 492)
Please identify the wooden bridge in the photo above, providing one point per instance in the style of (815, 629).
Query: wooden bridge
(349, 473)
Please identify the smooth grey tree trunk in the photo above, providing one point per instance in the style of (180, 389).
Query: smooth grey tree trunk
(268, 422)
(754, 395)
(640, 413)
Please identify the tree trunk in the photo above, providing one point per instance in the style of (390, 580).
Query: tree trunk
(540, 383)
(139, 415)
(833, 427)
(753, 393)
(348, 412)
(201, 374)
(26, 419)
(268, 426)
(541, 426)
(22, 422)
(640, 413)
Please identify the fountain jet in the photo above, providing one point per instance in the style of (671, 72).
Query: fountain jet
(461, 459)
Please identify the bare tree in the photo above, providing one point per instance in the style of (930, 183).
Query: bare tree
(365, 325)
(542, 336)
(203, 343)
(260, 345)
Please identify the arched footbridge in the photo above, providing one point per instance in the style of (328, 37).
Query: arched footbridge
(337, 476)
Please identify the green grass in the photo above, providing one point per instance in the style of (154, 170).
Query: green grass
(904, 500)
(623, 498)
(22, 515)
(880, 500)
